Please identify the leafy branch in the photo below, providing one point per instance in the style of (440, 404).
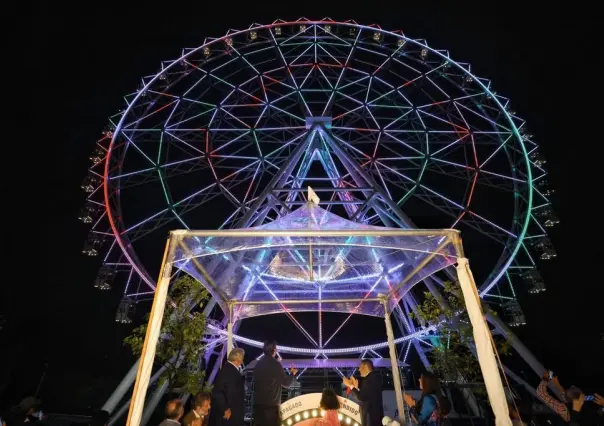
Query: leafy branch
(451, 355)
(181, 338)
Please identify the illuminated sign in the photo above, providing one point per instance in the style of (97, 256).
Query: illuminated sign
(307, 406)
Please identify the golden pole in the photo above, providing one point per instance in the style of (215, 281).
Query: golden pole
(153, 330)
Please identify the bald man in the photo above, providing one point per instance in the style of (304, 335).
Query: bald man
(174, 411)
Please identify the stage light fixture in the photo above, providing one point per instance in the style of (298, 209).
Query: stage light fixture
(296, 418)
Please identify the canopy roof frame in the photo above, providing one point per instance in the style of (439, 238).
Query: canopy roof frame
(485, 347)
(452, 236)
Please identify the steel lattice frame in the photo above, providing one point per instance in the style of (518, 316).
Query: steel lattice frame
(400, 129)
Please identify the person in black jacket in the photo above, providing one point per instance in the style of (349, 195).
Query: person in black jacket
(585, 409)
(369, 393)
(228, 393)
(269, 379)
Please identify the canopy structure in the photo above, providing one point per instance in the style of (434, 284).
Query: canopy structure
(314, 260)
(332, 363)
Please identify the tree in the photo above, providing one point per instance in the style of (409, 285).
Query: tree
(451, 355)
(180, 344)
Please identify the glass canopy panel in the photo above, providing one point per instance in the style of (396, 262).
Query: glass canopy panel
(311, 260)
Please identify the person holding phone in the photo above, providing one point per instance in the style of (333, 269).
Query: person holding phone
(585, 409)
(269, 379)
(558, 406)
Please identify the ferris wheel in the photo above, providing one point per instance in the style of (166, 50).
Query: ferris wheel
(219, 137)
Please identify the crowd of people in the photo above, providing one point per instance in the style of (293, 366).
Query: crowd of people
(225, 405)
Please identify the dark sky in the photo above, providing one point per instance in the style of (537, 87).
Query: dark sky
(84, 60)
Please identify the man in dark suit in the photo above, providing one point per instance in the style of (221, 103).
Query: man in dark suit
(199, 414)
(369, 393)
(269, 380)
(228, 393)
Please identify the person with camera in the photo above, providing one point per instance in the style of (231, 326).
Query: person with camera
(269, 379)
(585, 409)
(574, 407)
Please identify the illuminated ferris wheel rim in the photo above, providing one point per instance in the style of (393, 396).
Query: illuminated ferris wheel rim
(122, 237)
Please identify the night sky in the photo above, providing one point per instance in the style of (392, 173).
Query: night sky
(80, 64)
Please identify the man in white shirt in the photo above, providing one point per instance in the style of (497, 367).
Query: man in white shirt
(199, 415)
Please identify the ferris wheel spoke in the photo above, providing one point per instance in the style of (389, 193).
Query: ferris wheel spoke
(149, 175)
(462, 171)
(391, 133)
(336, 60)
(466, 213)
(493, 123)
(451, 207)
(289, 73)
(183, 143)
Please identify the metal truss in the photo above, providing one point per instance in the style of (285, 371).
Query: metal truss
(385, 128)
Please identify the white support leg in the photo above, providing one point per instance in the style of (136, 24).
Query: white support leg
(396, 374)
(230, 345)
(152, 337)
(467, 393)
(484, 346)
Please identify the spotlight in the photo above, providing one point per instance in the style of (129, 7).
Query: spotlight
(340, 417)
(289, 422)
(302, 28)
(401, 42)
(424, 53)
(297, 417)
(253, 35)
(327, 28)
(314, 413)
(377, 36)
(278, 31)
(206, 51)
(348, 420)
(306, 414)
